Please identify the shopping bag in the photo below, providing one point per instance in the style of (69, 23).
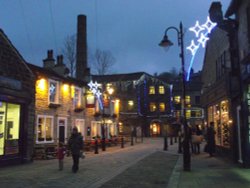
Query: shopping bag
(197, 139)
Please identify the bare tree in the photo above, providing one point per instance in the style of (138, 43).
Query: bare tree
(102, 61)
(69, 52)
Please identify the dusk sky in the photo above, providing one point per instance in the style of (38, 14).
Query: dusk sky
(130, 29)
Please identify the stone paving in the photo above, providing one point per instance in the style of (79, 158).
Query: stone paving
(94, 170)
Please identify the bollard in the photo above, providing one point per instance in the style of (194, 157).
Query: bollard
(96, 146)
(132, 141)
(179, 145)
(103, 144)
(171, 140)
(165, 143)
(122, 142)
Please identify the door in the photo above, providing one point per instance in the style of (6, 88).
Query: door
(62, 129)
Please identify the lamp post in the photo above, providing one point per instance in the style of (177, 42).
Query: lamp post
(167, 43)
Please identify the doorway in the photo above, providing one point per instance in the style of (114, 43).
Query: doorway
(62, 129)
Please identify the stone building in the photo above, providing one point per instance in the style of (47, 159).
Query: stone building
(221, 86)
(144, 102)
(16, 105)
(239, 10)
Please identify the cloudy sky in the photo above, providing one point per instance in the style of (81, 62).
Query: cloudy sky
(130, 29)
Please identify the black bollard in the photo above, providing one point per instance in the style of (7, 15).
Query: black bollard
(122, 142)
(165, 143)
(103, 144)
(132, 141)
(179, 145)
(171, 140)
(96, 146)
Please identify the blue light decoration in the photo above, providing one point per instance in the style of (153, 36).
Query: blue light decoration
(94, 88)
(201, 32)
(171, 98)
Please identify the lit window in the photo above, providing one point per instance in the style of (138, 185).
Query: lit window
(162, 107)
(151, 90)
(177, 99)
(53, 92)
(130, 104)
(152, 107)
(188, 100)
(161, 90)
(77, 97)
(45, 128)
(188, 113)
(80, 124)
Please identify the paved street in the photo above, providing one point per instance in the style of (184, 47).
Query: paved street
(142, 165)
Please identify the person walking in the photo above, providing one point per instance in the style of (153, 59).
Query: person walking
(211, 139)
(198, 133)
(60, 154)
(75, 146)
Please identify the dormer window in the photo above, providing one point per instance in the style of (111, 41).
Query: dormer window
(53, 91)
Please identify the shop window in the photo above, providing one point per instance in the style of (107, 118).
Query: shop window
(77, 98)
(9, 128)
(162, 107)
(53, 92)
(45, 128)
(151, 90)
(152, 107)
(161, 90)
(177, 99)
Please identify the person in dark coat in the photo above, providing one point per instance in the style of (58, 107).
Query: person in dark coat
(211, 139)
(75, 145)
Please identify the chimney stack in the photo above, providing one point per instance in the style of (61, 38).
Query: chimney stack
(49, 62)
(81, 48)
(215, 12)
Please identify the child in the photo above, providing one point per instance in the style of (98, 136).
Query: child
(60, 155)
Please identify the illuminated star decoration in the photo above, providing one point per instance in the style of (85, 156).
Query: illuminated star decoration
(201, 32)
(94, 88)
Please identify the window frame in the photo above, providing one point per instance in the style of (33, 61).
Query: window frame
(57, 92)
(52, 129)
(151, 90)
(79, 100)
(161, 90)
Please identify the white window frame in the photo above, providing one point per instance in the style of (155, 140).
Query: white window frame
(57, 92)
(82, 131)
(79, 100)
(52, 129)
(66, 128)
(98, 127)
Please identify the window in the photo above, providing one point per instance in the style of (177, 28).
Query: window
(197, 99)
(45, 128)
(80, 124)
(188, 114)
(152, 107)
(177, 99)
(130, 105)
(9, 128)
(77, 98)
(162, 107)
(151, 90)
(188, 100)
(161, 90)
(53, 91)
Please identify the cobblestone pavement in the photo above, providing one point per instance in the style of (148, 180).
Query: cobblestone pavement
(95, 169)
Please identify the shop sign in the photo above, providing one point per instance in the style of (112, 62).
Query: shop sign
(10, 83)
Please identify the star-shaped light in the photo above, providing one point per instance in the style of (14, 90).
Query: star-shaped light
(203, 39)
(209, 25)
(196, 29)
(192, 47)
(91, 84)
(52, 88)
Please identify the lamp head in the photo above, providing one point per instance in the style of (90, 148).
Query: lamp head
(165, 42)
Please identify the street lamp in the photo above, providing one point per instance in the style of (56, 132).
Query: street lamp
(167, 43)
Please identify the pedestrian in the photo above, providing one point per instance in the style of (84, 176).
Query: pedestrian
(211, 139)
(60, 154)
(75, 145)
(198, 133)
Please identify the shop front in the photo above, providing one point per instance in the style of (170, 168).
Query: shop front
(219, 114)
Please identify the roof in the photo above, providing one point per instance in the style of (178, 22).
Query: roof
(40, 71)
(118, 77)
